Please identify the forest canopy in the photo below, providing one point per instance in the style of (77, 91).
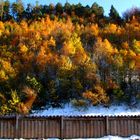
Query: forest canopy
(54, 54)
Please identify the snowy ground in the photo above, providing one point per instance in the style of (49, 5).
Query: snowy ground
(69, 110)
(104, 138)
(114, 138)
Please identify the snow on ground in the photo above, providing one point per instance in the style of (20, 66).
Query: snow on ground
(134, 137)
(69, 110)
(113, 138)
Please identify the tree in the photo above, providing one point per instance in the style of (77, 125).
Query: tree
(17, 9)
(36, 11)
(67, 8)
(79, 10)
(51, 8)
(59, 8)
(103, 51)
(28, 11)
(132, 12)
(1, 9)
(114, 15)
(98, 96)
(98, 10)
(7, 15)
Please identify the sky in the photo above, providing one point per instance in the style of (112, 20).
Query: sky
(120, 5)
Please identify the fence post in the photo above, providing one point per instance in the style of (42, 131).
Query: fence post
(107, 125)
(62, 128)
(17, 127)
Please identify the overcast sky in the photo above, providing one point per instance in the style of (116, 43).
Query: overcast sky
(120, 5)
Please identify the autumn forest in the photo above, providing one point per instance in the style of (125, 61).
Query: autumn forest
(55, 54)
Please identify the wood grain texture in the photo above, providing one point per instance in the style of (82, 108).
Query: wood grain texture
(68, 127)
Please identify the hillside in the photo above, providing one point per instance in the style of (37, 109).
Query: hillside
(52, 55)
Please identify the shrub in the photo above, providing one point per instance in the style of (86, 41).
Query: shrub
(79, 103)
(97, 97)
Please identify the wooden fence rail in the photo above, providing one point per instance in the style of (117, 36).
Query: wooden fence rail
(67, 127)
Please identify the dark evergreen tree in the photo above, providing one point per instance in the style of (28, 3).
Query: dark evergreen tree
(17, 10)
(51, 8)
(28, 11)
(98, 10)
(1, 9)
(67, 8)
(6, 9)
(79, 10)
(87, 11)
(37, 11)
(59, 8)
(114, 15)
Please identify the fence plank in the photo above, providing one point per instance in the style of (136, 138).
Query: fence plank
(17, 127)
(62, 127)
(107, 125)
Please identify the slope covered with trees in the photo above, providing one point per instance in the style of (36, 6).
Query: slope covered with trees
(51, 55)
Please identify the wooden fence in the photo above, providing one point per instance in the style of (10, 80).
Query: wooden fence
(67, 127)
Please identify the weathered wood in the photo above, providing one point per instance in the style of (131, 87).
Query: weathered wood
(67, 127)
(62, 127)
(17, 127)
(107, 125)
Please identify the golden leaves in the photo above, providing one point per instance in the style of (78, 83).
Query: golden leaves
(96, 97)
(111, 28)
(6, 70)
(23, 49)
